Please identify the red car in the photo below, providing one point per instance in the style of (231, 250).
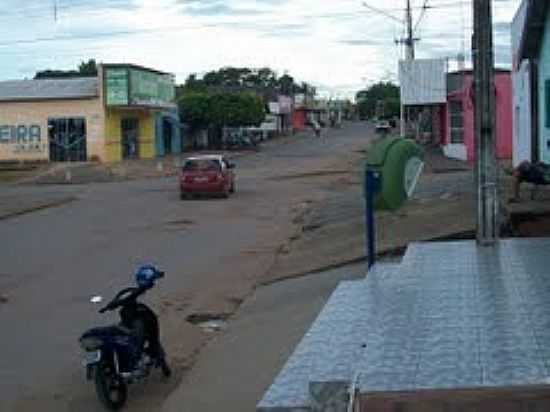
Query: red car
(208, 174)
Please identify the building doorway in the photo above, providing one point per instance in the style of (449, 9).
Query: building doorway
(67, 139)
(130, 137)
(167, 136)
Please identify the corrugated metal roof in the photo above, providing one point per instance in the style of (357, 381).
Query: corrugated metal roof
(49, 89)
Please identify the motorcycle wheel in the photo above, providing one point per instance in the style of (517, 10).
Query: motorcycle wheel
(162, 363)
(111, 390)
(166, 371)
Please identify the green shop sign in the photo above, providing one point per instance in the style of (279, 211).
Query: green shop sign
(151, 89)
(116, 87)
(131, 86)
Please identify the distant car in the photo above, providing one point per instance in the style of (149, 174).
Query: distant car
(207, 175)
(383, 126)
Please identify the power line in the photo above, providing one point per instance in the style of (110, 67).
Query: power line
(422, 13)
(69, 37)
(45, 10)
(383, 13)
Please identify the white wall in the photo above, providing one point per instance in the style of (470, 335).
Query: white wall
(521, 90)
(521, 112)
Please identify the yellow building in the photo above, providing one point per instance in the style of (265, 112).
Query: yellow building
(126, 111)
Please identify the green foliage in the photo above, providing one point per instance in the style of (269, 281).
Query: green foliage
(194, 109)
(200, 110)
(233, 96)
(262, 80)
(192, 84)
(57, 74)
(392, 107)
(236, 109)
(88, 68)
(385, 92)
(85, 69)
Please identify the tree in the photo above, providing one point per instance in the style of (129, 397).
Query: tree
(236, 109)
(200, 110)
(286, 84)
(194, 109)
(85, 69)
(386, 93)
(263, 81)
(56, 74)
(88, 68)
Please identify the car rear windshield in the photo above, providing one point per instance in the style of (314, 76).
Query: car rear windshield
(201, 165)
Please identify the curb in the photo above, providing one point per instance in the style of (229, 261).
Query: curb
(398, 250)
(28, 210)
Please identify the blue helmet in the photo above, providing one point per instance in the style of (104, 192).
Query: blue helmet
(147, 274)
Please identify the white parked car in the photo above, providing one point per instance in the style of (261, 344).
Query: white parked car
(383, 126)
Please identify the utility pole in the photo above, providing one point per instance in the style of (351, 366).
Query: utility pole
(410, 39)
(409, 56)
(486, 165)
(408, 42)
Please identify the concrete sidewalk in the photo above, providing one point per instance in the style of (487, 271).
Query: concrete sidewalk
(236, 368)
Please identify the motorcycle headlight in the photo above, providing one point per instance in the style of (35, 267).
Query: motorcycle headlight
(90, 343)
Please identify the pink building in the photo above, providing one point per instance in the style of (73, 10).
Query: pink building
(457, 121)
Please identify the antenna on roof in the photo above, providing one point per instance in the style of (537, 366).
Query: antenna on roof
(55, 10)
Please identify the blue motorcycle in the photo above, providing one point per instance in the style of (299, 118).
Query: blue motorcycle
(125, 353)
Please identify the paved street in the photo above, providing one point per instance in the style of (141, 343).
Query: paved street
(214, 252)
(267, 329)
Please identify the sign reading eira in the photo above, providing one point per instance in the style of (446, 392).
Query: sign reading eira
(22, 139)
(19, 133)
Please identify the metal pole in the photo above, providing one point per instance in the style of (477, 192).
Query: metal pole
(402, 121)
(486, 164)
(410, 38)
(370, 190)
(409, 55)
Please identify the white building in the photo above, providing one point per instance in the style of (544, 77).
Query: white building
(522, 75)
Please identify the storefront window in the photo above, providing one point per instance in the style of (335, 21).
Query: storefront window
(67, 139)
(456, 122)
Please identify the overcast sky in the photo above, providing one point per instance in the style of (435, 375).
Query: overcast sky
(338, 45)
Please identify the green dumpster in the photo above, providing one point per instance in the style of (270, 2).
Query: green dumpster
(398, 163)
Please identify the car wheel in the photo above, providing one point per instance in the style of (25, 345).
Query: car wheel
(232, 188)
(184, 196)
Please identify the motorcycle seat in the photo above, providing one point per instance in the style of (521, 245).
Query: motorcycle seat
(111, 330)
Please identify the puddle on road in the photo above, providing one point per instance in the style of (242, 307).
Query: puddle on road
(305, 175)
(209, 322)
(180, 222)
